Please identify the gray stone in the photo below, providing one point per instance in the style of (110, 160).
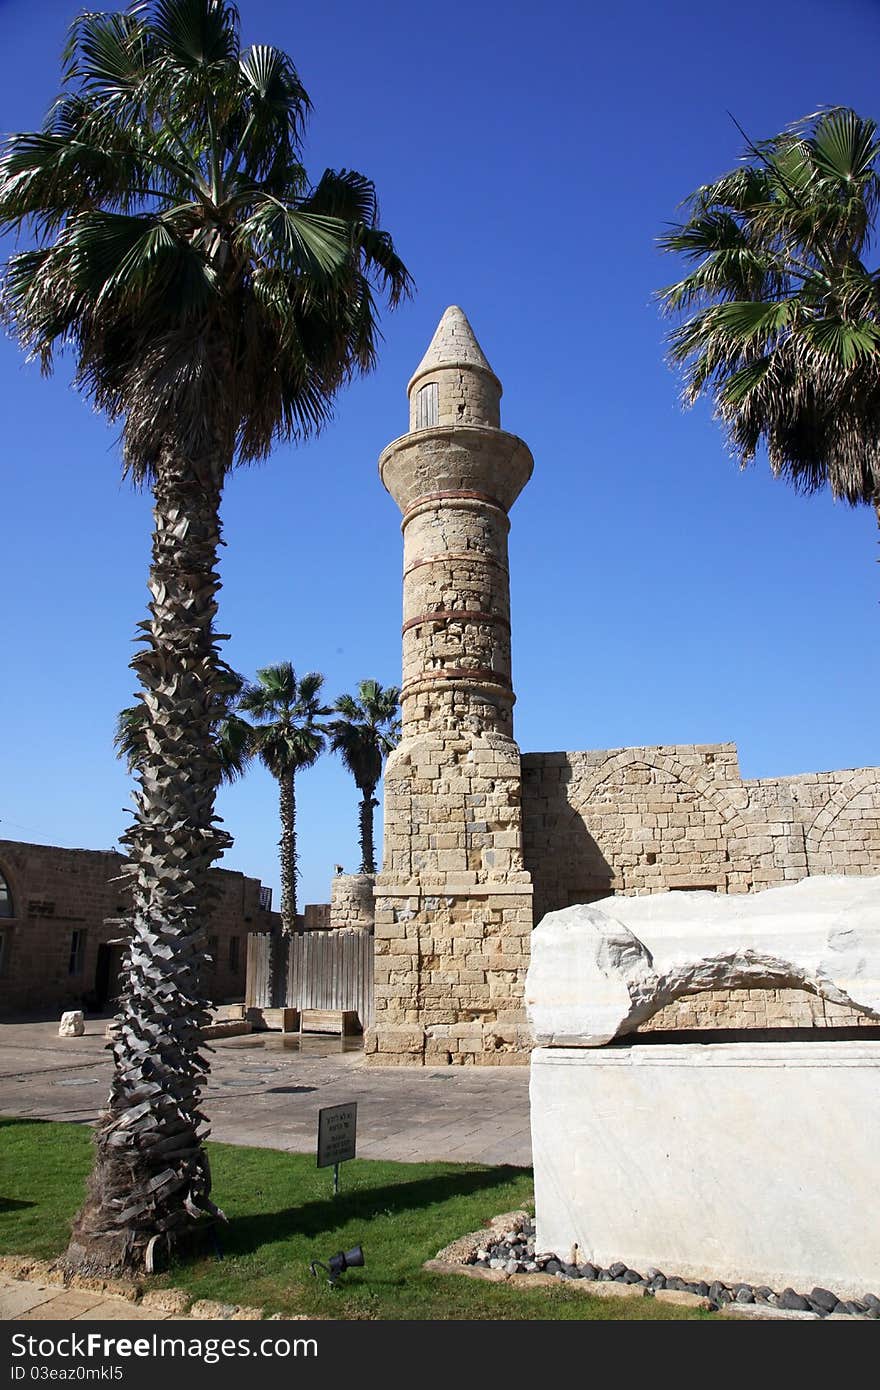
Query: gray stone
(793, 1302)
(617, 1270)
(824, 1299)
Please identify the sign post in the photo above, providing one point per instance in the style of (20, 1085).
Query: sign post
(337, 1135)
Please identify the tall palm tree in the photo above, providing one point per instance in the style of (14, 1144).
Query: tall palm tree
(233, 735)
(367, 732)
(782, 311)
(214, 301)
(287, 738)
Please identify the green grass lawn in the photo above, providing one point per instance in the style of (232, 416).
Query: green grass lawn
(282, 1214)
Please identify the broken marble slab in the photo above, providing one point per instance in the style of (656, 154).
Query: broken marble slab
(599, 970)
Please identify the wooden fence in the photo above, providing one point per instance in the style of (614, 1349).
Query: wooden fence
(325, 970)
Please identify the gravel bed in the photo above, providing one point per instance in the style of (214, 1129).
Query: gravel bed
(514, 1252)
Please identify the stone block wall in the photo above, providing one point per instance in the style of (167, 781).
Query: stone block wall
(351, 902)
(451, 960)
(641, 820)
(453, 907)
(315, 917)
(68, 903)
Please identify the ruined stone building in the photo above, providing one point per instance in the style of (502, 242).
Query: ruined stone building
(62, 933)
(480, 842)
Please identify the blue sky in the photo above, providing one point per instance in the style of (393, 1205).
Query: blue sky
(526, 159)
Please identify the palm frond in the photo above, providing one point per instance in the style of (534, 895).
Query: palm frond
(782, 317)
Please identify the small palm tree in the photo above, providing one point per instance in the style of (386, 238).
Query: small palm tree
(367, 732)
(214, 300)
(286, 737)
(782, 312)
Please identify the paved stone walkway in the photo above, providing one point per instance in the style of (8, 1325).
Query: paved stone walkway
(266, 1091)
(21, 1301)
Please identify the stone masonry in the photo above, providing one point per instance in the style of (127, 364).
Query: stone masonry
(351, 902)
(62, 929)
(453, 906)
(641, 820)
(471, 829)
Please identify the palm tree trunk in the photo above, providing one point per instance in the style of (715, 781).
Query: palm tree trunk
(287, 846)
(365, 817)
(151, 1182)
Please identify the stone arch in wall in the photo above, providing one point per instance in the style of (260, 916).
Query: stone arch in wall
(654, 824)
(844, 837)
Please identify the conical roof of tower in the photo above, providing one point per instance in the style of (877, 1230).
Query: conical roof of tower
(454, 344)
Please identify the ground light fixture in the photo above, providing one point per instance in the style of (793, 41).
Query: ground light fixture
(338, 1264)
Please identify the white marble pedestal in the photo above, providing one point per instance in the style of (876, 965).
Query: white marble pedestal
(735, 1161)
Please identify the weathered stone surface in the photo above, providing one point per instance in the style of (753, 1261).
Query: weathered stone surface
(762, 1312)
(682, 1298)
(72, 1024)
(209, 1308)
(492, 1276)
(738, 1162)
(56, 892)
(453, 906)
(600, 970)
(166, 1300)
(605, 1288)
(536, 1281)
(351, 902)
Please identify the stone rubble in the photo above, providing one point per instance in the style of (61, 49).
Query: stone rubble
(513, 1252)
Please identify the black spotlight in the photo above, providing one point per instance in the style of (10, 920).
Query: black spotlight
(338, 1264)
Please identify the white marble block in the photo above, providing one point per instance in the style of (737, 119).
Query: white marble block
(738, 1161)
(72, 1024)
(597, 971)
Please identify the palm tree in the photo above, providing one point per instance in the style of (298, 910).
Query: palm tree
(367, 732)
(214, 301)
(233, 735)
(782, 321)
(286, 738)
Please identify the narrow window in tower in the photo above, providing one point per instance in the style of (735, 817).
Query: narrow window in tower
(428, 406)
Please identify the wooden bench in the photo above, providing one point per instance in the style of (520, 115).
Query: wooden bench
(342, 1021)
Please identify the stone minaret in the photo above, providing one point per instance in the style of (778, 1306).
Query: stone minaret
(453, 903)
